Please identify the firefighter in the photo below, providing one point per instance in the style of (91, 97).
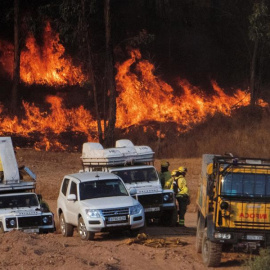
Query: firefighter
(181, 191)
(164, 174)
(174, 176)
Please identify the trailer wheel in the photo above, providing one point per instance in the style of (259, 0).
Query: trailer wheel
(83, 233)
(199, 237)
(66, 228)
(211, 252)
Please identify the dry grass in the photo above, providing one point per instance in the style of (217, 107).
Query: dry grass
(245, 133)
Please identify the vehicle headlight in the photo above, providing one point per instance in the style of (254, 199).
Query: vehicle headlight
(222, 235)
(11, 222)
(136, 209)
(168, 197)
(47, 220)
(93, 213)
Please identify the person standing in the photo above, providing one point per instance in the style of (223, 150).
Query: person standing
(179, 185)
(164, 174)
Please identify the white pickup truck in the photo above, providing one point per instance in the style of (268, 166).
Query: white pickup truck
(97, 202)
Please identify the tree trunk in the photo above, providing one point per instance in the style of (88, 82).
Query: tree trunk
(16, 65)
(253, 72)
(91, 71)
(109, 79)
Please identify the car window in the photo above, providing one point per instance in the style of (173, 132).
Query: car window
(65, 186)
(73, 189)
(100, 189)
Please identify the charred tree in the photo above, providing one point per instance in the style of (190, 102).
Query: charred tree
(16, 65)
(259, 33)
(109, 79)
(86, 30)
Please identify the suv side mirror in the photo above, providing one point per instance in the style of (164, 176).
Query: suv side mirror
(71, 197)
(133, 191)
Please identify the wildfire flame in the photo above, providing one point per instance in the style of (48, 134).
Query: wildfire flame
(146, 97)
(43, 65)
(142, 96)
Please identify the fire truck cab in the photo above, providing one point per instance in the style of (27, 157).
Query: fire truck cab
(135, 166)
(233, 206)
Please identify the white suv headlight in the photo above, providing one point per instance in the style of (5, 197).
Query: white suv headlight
(136, 209)
(93, 213)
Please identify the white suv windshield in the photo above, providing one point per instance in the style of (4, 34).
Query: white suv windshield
(13, 201)
(137, 175)
(100, 189)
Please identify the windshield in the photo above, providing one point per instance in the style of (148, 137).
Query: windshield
(246, 184)
(102, 188)
(12, 201)
(137, 175)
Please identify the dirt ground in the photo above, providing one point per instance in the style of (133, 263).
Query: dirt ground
(165, 248)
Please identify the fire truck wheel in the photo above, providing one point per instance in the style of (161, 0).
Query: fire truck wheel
(199, 237)
(83, 233)
(66, 229)
(211, 252)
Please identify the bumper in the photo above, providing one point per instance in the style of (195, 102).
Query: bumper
(47, 229)
(102, 225)
(262, 238)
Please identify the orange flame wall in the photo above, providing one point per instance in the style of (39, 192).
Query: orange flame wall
(45, 64)
(142, 96)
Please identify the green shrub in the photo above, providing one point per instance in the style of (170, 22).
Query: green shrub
(261, 261)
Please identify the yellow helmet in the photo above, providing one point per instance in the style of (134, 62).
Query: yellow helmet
(182, 169)
(165, 163)
(175, 173)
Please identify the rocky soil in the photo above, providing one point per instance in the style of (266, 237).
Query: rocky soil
(167, 248)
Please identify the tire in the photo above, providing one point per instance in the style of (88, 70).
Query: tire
(66, 228)
(211, 252)
(199, 237)
(169, 218)
(83, 233)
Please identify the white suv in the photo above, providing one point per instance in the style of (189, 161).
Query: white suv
(97, 202)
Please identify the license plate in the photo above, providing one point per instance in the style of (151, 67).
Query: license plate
(255, 237)
(31, 230)
(117, 218)
(152, 209)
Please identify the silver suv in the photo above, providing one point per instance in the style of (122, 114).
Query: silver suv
(97, 202)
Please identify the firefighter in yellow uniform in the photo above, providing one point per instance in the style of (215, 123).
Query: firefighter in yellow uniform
(174, 176)
(164, 174)
(179, 186)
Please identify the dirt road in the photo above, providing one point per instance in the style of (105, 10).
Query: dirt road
(167, 248)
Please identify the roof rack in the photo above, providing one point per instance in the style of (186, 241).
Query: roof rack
(125, 153)
(242, 161)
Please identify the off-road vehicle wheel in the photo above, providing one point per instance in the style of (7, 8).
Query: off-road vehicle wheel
(66, 228)
(199, 237)
(211, 252)
(83, 233)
